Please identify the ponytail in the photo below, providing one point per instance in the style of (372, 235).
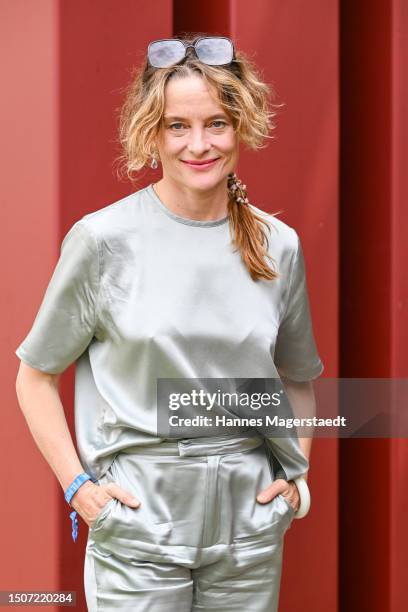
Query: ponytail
(250, 232)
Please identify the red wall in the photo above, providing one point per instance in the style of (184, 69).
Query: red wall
(399, 303)
(296, 45)
(374, 290)
(30, 230)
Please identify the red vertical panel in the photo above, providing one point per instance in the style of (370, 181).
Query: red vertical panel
(296, 46)
(375, 294)
(99, 45)
(399, 298)
(212, 17)
(366, 482)
(29, 234)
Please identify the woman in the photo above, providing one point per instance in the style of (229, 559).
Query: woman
(183, 279)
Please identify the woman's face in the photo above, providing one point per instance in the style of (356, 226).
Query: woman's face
(196, 129)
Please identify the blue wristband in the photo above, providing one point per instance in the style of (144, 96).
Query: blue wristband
(69, 493)
(74, 520)
(74, 486)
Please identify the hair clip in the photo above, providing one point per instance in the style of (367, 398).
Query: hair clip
(237, 189)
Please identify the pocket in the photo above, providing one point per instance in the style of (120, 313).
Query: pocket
(172, 495)
(109, 476)
(269, 458)
(102, 515)
(244, 477)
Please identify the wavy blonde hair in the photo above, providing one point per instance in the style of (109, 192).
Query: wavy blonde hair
(244, 96)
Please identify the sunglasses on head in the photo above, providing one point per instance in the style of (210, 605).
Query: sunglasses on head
(212, 50)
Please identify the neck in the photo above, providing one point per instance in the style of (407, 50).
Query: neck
(208, 205)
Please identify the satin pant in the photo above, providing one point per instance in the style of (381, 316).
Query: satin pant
(199, 540)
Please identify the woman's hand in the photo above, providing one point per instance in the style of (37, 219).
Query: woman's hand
(90, 498)
(288, 489)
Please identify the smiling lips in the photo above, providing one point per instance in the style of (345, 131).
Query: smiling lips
(201, 164)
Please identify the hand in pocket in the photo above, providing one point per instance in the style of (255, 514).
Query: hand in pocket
(287, 489)
(90, 499)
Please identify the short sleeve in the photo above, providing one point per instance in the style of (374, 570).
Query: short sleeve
(296, 355)
(65, 322)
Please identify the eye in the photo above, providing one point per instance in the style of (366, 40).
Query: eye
(223, 123)
(173, 125)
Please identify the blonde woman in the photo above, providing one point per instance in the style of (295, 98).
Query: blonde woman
(183, 279)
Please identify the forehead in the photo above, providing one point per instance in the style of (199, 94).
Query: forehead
(190, 96)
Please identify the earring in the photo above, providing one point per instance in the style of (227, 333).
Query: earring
(154, 164)
(236, 189)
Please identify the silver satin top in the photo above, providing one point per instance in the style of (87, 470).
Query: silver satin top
(140, 293)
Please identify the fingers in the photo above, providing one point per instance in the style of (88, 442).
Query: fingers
(90, 499)
(279, 486)
(293, 497)
(114, 490)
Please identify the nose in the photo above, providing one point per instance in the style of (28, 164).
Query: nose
(199, 142)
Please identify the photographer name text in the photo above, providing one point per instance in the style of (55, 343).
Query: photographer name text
(267, 421)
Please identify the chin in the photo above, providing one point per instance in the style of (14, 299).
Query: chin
(203, 185)
(204, 182)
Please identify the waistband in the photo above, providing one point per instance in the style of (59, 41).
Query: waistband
(196, 447)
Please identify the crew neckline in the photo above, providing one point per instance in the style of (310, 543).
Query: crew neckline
(180, 219)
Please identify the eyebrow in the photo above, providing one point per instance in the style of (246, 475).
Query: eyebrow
(175, 118)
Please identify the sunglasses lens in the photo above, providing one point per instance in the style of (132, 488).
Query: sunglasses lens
(163, 53)
(215, 51)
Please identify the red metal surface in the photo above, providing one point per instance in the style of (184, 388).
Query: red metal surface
(374, 290)
(399, 299)
(296, 46)
(365, 315)
(29, 210)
